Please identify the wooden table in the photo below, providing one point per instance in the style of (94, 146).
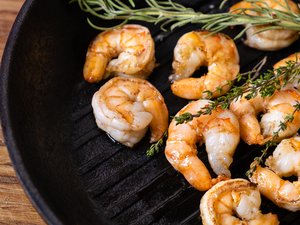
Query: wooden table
(15, 208)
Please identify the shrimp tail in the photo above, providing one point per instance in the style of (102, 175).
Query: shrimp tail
(189, 83)
(190, 166)
(95, 67)
(160, 122)
(282, 193)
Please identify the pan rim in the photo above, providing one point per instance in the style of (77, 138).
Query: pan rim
(22, 174)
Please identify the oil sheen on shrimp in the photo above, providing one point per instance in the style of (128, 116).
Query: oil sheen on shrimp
(239, 197)
(202, 48)
(274, 109)
(269, 40)
(284, 162)
(123, 51)
(125, 107)
(219, 131)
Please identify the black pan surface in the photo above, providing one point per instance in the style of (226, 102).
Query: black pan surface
(73, 172)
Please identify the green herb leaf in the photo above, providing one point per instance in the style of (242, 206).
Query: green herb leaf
(156, 147)
(170, 15)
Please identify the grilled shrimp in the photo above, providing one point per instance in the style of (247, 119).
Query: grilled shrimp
(124, 107)
(285, 162)
(295, 58)
(124, 51)
(275, 109)
(234, 197)
(202, 48)
(219, 131)
(269, 40)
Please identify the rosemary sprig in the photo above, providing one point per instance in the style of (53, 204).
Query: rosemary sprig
(155, 148)
(170, 15)
(265, 85)
(272, 142)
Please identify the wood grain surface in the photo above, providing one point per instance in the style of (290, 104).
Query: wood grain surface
(15, 208)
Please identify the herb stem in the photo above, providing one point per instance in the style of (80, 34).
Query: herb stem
(265, 85)
(171, 15)
(156, 147)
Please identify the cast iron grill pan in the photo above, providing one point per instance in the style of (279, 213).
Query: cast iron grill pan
(73, 171)
(135, 189)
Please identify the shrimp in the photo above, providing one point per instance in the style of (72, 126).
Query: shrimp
(282, 63)
(125, 107)
(269, 40)
(285, 162)
(293, 57)
(234, 197)
(219, 131)
(275, 109)
(202, 48)
(124, 51)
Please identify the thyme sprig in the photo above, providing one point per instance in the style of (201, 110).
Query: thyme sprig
(170, 15)
(156, 147)
(272, 142)
(265, 85)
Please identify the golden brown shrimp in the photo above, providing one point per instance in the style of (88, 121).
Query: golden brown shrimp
(269, 40)
(202, 48)
(285, 162)
(219, 131)
(295, 58)
(275, 109)
(125, 107)
(124, 51)
(236, 196)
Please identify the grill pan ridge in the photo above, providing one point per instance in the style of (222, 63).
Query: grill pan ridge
(101, 178)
